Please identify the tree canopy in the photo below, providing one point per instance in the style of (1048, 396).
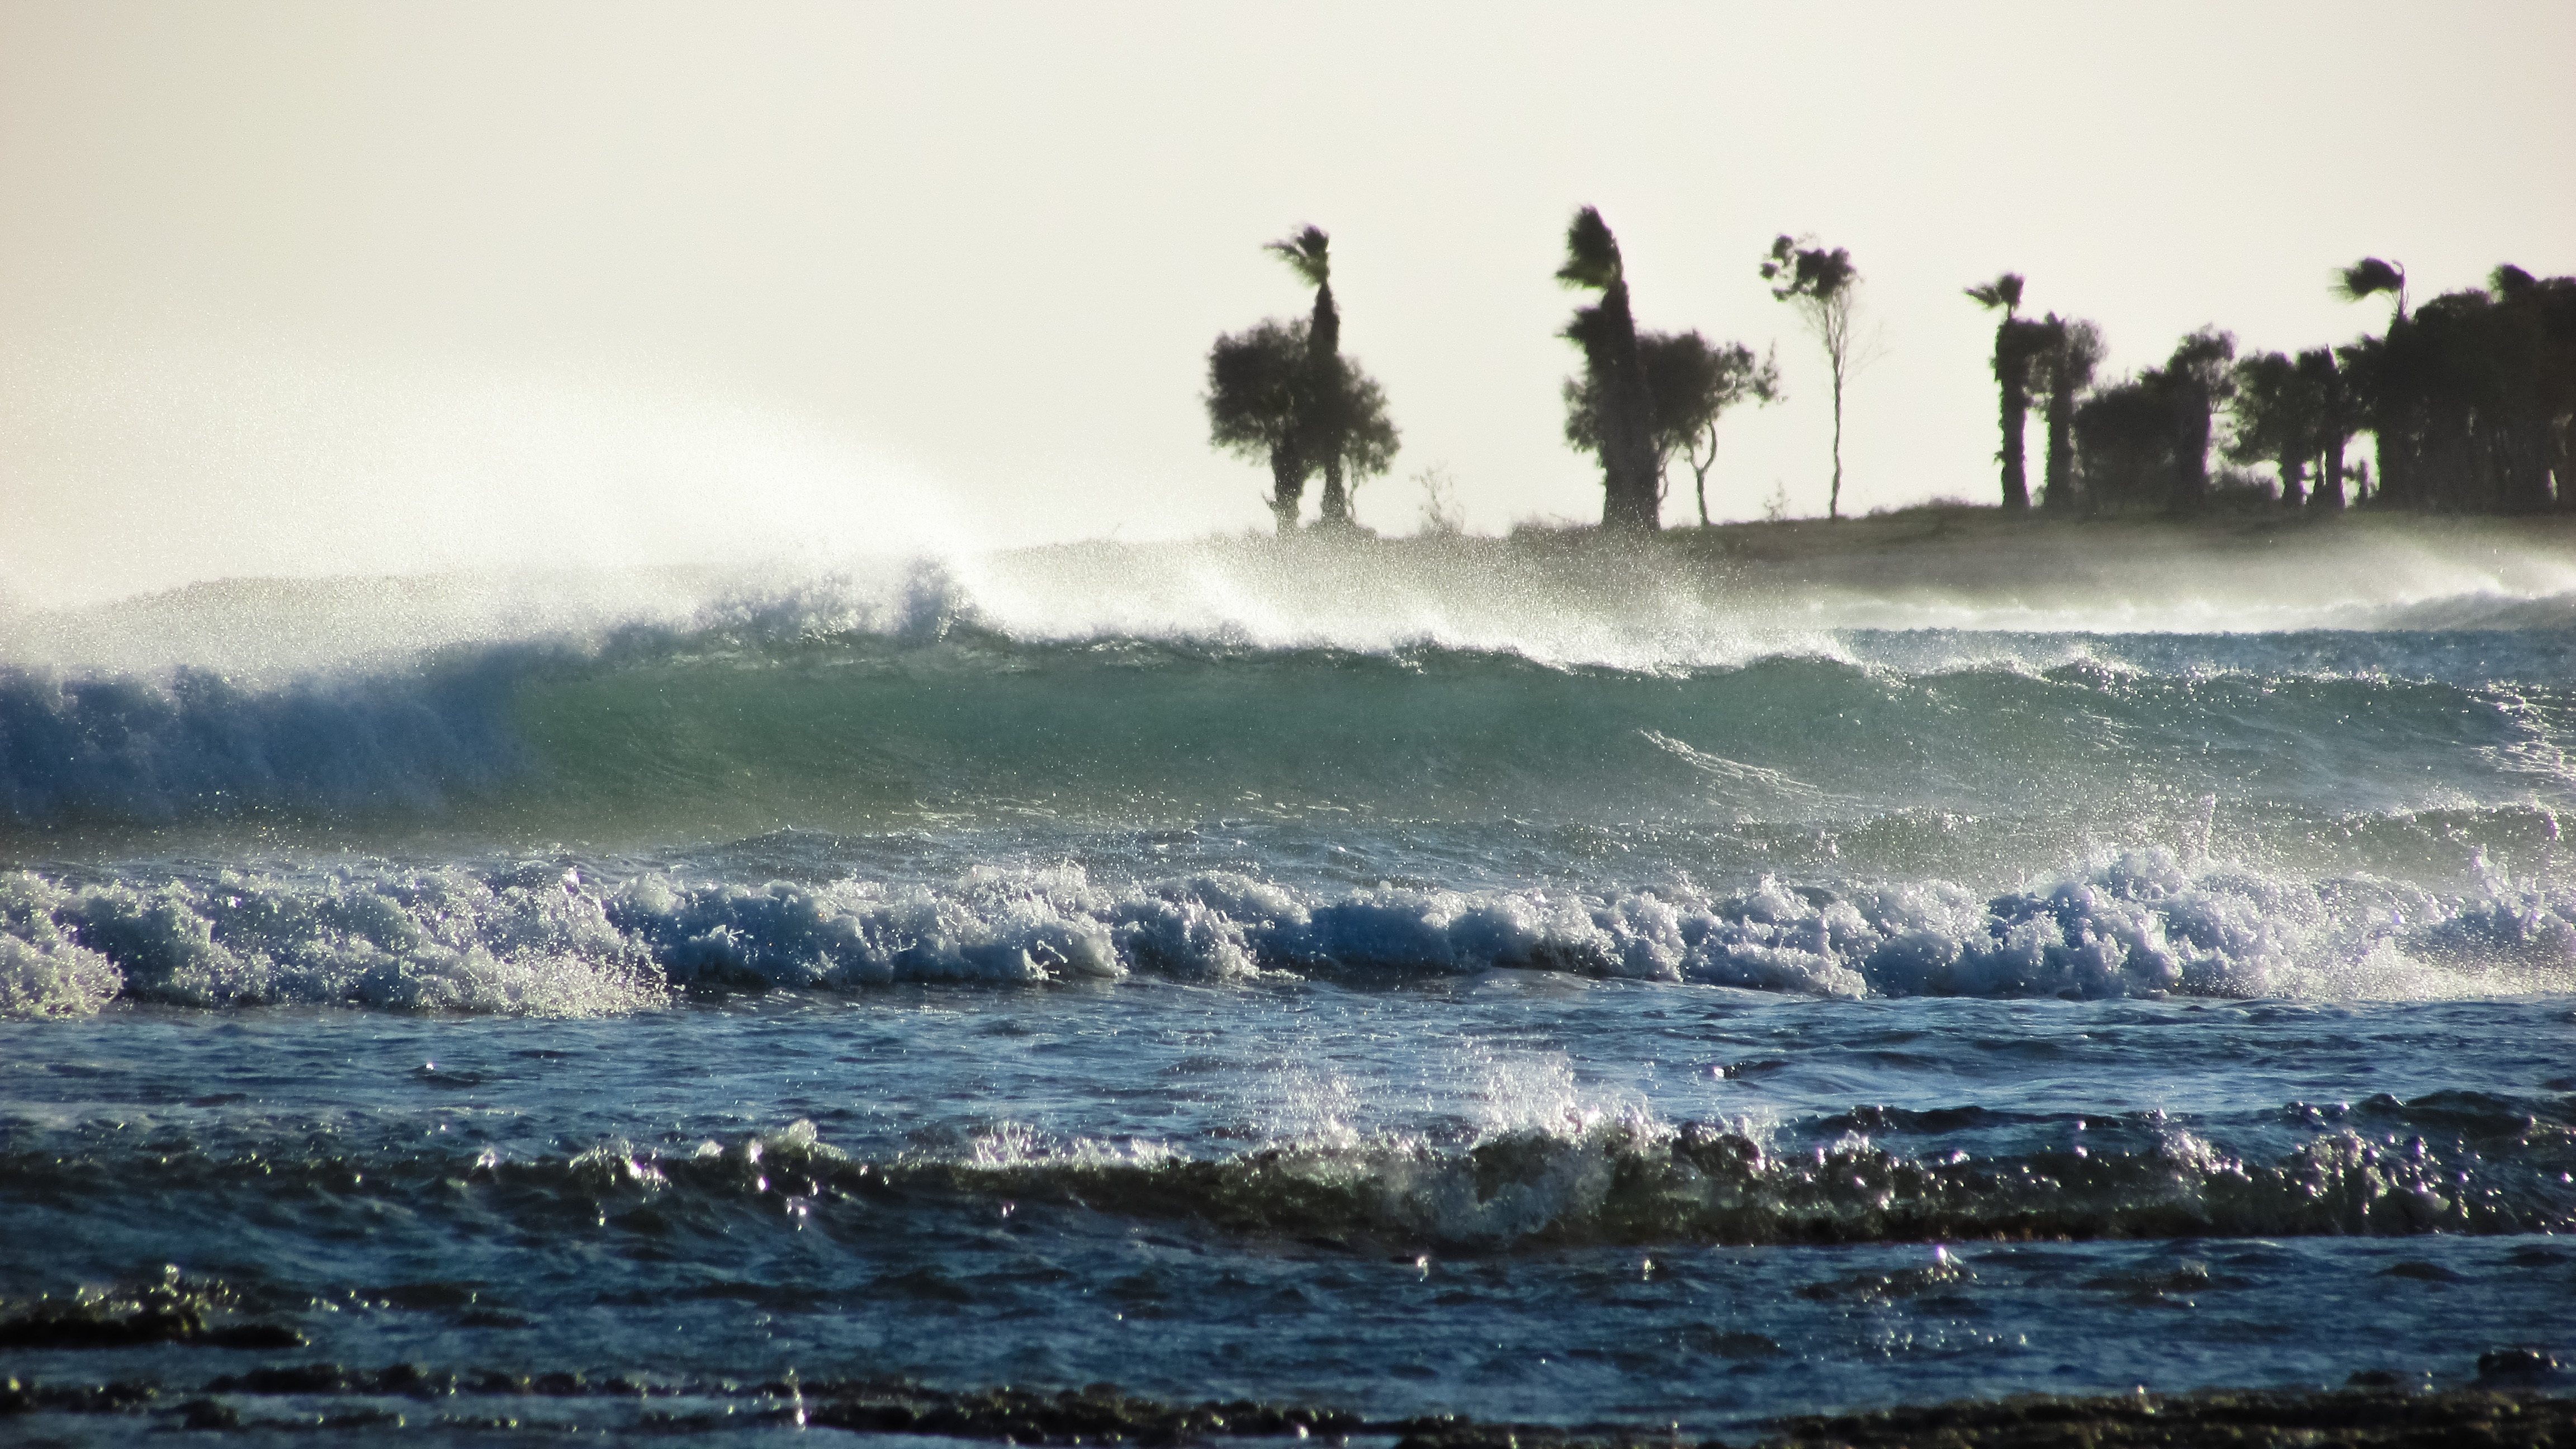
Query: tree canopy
(1263, 403)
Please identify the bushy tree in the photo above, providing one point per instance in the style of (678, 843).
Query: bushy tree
(2144, 442)
(2278, 416)
(2070, 351)
(1824, 287)
(1690, 384)
(1261, 404)
(2473, 395)
(1282, 392)
(1614, 373)
(2124, 439)
(1255, 406)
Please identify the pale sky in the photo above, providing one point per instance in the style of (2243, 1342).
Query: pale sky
(310, 288)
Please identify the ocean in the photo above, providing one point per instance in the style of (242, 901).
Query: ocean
(1510, 979)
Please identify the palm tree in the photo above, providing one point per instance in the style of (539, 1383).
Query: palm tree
(2017, 344)
(1615, 373)
(1308, 253)
(2390, 425)
(2072, 350)
(1825, 288)
(2371, 276)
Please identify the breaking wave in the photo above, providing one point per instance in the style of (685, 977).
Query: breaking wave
(540, 939)
(2451, 1163)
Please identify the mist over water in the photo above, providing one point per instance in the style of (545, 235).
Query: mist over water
(1208, 926)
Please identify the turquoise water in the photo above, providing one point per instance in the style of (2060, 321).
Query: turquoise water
(1547, 996)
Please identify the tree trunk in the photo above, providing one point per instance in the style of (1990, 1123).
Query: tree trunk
(2059, 490)
(2191, 449)
(1287, 487)
(2329, 490)
(2013, 385)
(1834, 499)
(1323, 442)
(1699, 473)
(1336, 502)
(1628, 499)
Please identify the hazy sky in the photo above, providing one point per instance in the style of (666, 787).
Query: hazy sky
(324, 287)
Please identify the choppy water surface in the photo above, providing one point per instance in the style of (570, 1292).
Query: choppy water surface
(1558, 1001)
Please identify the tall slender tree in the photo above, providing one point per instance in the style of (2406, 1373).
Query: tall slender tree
(1825, 288)
(1615, 373)
(2018, 345)
(2072, 350)
(1308, 252)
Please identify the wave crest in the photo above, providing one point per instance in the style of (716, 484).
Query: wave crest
(538, 938)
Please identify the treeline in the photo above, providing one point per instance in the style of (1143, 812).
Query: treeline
(2470, 400)
(1282, 393)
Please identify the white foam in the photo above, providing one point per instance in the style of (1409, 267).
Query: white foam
(540, 941)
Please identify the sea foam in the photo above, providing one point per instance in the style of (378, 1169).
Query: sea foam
(539, 938)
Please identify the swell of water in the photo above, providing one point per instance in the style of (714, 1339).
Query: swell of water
(579, 796)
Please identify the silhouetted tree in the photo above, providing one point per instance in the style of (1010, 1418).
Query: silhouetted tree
(1260, 404)
(2385, 415)
(1615, 376)
(1721, 379)
(1308, 253)
(1825, 288)
(2195, 382)
(2070, 349)
(1255, 406)
(2368, 278)
(2360, 363)
(2125, 438)
(1366, 438)
(2018, 345)
(2330, 393)
(2278, 415)
(1689, 384)
(2469, 400)
(2144, 442)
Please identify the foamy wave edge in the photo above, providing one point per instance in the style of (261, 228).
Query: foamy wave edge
(540, 940)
